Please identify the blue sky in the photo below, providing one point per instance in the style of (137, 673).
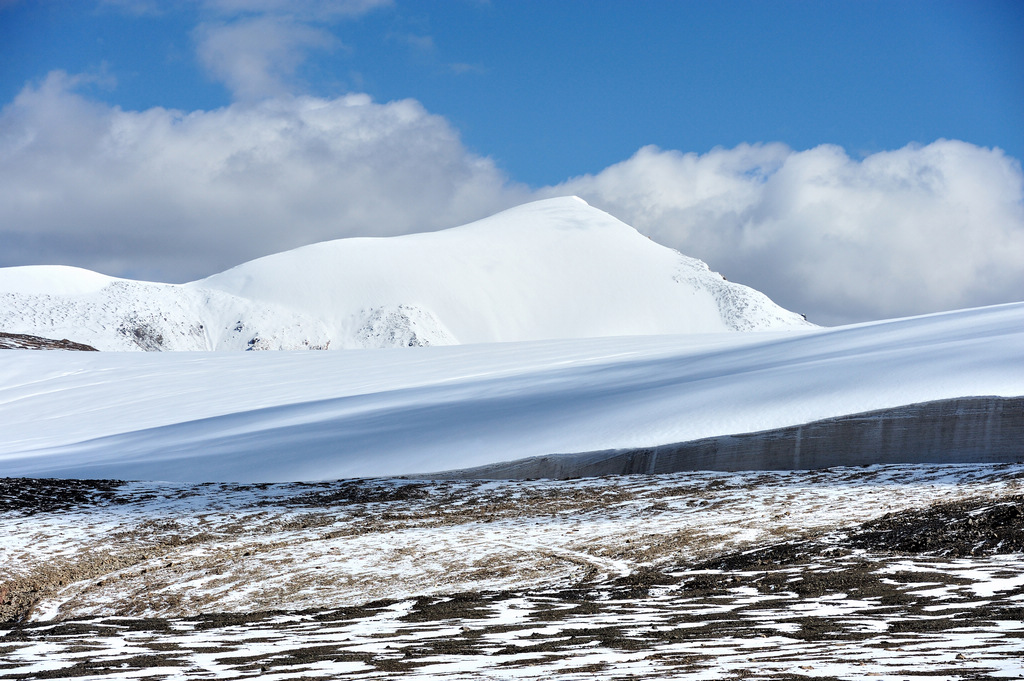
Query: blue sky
(552, 90)
(668, 114)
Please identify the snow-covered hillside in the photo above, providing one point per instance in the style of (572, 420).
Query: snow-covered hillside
(546, 270)
(304, 416)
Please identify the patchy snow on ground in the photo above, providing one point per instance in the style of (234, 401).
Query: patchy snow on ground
(285, 416)
(702, 575)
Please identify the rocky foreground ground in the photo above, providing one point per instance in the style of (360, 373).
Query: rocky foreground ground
(892, 572)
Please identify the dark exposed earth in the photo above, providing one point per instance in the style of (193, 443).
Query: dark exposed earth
(21, 341)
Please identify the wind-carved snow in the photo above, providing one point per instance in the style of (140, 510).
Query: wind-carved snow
(546, 270)
(302, 416)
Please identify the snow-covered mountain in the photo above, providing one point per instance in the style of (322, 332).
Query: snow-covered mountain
(552, 269)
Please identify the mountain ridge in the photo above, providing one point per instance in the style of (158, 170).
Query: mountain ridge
(551, 269)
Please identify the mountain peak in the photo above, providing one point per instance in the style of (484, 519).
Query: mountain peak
(556, 268)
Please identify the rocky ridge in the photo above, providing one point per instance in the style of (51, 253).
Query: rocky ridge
(20, 341)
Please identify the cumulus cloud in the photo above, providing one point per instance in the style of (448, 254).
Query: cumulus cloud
(919, 229)
(172, 195)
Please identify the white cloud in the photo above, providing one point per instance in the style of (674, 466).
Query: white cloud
(255, 47)
(319, 10)
(172, 195)
(423, 43)
(899, 232)
(137, 8)
(257, 57)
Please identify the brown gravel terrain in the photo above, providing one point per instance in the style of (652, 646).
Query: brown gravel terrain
(886, 571)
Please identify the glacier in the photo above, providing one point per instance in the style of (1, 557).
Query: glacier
(291, 415)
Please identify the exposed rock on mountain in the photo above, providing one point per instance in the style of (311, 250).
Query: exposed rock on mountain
(20, 341)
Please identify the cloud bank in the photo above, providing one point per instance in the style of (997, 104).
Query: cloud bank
(919, 229)
(173, 196)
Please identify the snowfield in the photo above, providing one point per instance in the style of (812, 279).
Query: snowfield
(286, 416)
(550, 269)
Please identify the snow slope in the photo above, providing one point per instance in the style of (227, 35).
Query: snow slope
(304, 416)
(551, 269)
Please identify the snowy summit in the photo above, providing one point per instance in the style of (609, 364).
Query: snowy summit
(552, 269)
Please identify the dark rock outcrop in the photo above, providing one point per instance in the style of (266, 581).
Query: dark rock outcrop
(20, 341)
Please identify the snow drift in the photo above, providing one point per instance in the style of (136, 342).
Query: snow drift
(546, 270)
(304, 416)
